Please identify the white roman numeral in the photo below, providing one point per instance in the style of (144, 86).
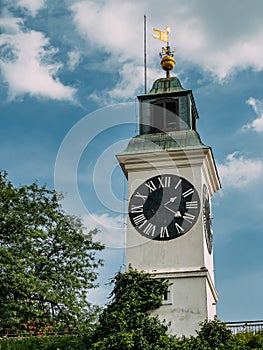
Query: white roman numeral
(179, 228)
(149, 229)
(191, 205)
(164, 232)
(138, 195)
(139, 219)
(178, 184)
(188, 217)
(151, 186)
(165, 181)
(136, 208)
(188, 192)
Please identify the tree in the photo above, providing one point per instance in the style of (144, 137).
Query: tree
(213, 334)
(47, 263)
(249, 340)
(125, 323)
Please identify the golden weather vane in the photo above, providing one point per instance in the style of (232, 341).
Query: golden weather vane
(167, 61)
(163, 36)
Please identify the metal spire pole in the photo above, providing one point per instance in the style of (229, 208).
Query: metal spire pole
(145, 62)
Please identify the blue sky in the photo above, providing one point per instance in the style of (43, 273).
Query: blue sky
(70, 74)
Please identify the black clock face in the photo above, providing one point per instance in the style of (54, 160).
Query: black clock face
(207, 220)
(164, 207)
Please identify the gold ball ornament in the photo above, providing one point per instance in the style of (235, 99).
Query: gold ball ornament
(167, 63)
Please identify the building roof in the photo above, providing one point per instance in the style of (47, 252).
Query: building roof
(175, 140)
(164, 85)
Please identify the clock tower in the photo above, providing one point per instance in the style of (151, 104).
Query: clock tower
(171, 178)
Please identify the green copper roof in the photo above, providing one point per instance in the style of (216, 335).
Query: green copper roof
(175, 140)
(164, 85)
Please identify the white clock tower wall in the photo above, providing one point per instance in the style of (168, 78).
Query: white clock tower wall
(187, 306)
(184, 261)
(190, 249)
(169, 147)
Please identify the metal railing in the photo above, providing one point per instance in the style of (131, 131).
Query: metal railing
(245, 326)
(39, 334)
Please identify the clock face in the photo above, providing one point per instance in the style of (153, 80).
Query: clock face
(164, 207)
(207, 220)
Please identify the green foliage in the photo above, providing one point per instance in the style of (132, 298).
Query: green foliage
(248, 340)
(47, 264)
(213, 335)
(66, 342)
(125, 323)
(138, 290)
(130, 340)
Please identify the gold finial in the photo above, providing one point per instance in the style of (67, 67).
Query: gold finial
(167, 64)
(167, 61)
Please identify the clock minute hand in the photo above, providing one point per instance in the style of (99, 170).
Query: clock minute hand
(176, 213)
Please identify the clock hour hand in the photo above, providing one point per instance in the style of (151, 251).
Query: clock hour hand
(171, 200)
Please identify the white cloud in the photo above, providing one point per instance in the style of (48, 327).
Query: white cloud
(111, 229)
(126, 88)
(112, 235)
(221, 38)
(27, 64)
(33, 6)
(73, 59)
(238, 171)
(213, 35)
(257, 124)
(10, 24)
(113, 26)
(224, 62)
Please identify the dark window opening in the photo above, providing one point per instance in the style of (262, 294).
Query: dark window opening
(167, 296)
(164, 116)
(193, 120)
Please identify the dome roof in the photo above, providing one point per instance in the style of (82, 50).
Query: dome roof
(164, 85)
